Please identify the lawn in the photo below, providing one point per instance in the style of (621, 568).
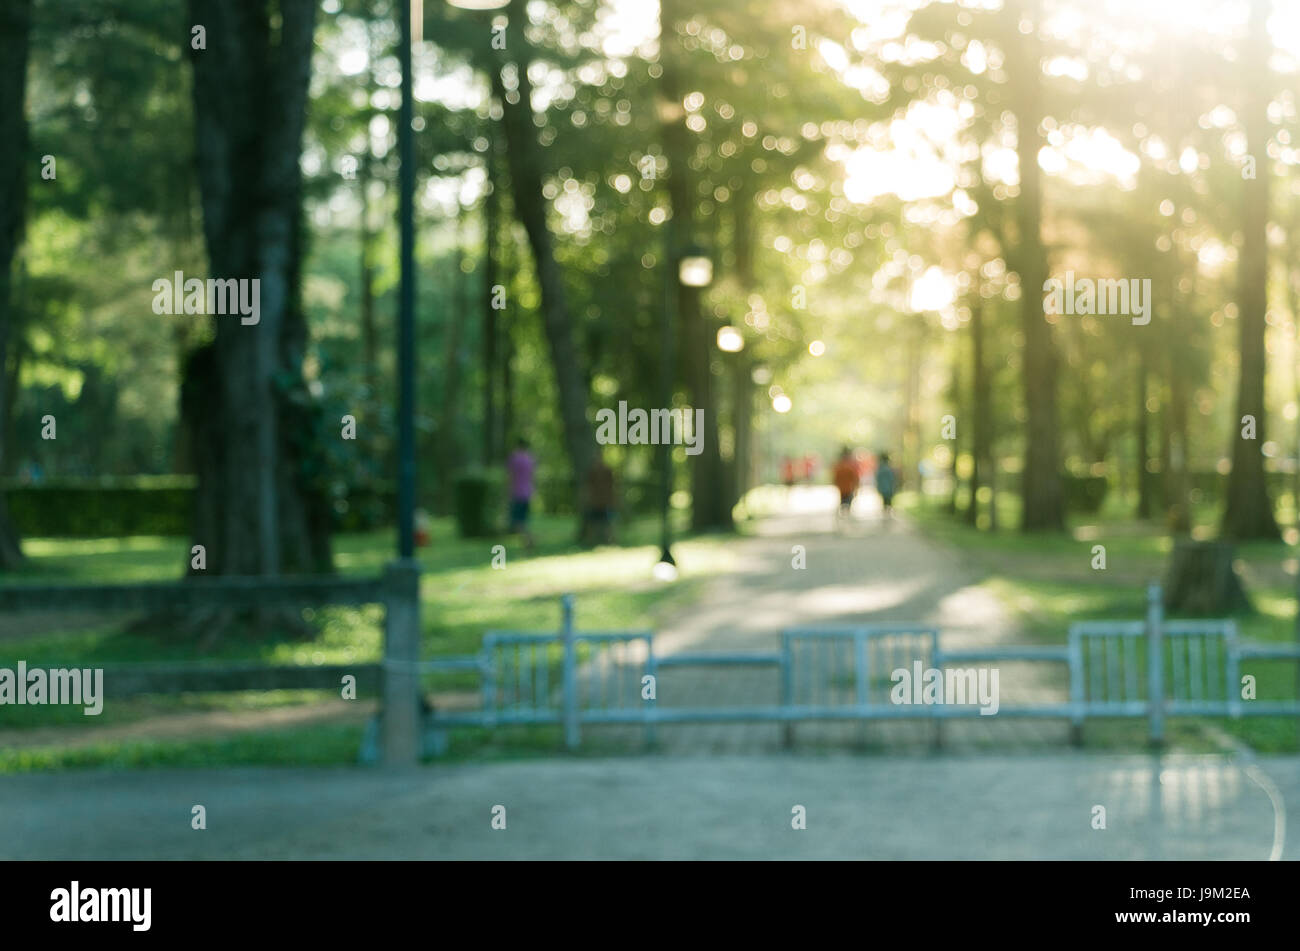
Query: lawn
(463, 597)
(1048, 581)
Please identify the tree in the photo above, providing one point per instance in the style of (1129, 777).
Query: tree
(982, 412)
(708, 487)
(15, 39)
(1043, 501)
(526, 162)
(1249, 512)
(257, 432)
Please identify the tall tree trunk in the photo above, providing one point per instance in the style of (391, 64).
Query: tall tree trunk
(369, 332)
(961, 426)
(526, 161)
(1177, 502)
(507, 385)
(742, 386)
(1043, 502)
(1293, 301)
(457, 317)
(980, 400)
(1249, 512)
(491, 217)
(1165, 450)
(260, 508)
(709, 508)
(1142, 456)
(908, 456)
(19, 349)
(15, 41)
(742, 397)
(509, 323)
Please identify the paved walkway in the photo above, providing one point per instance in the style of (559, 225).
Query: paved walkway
(870, 570)
(887, 807)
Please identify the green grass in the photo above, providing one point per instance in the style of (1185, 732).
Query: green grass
(463, 597)
(1047, 581)
(321, 745)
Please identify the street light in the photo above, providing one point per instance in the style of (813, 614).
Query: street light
(406, 297)
(730, 340)
(695, 268)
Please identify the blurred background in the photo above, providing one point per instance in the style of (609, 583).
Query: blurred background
(826, 223)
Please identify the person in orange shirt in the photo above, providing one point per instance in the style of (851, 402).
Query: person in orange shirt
(845, 477)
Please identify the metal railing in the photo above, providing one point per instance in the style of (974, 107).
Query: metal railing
(394, 738)
(1153, 668)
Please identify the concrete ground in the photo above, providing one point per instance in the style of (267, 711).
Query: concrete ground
(739, 807)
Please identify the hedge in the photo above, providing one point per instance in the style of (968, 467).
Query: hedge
(148, 505)
(158, 505)
(1084, 493)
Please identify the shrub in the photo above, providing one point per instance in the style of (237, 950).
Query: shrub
(477, 500)
(1084, 493)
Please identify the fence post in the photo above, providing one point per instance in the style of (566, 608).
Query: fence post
(651, 668)
(1077, 699)
(571, 734)
(787, 690)
(1156, 663)
(401, 714)
(1232, 667)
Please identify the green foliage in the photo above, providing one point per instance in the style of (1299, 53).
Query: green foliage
(110, 507)
(1085, 493)
(478, 500)
(116, 507)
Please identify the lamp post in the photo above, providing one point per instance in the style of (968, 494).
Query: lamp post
(692, 267)
(406, 300)
(400, 723)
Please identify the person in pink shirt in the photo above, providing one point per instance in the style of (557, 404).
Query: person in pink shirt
(521, 467)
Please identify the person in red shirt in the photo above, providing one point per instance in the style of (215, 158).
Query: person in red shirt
(845, 477)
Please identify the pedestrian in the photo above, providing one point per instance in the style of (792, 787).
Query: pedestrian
(886, 483)
(845, 477)
(787, 472)
(521, 467)
(809, 467)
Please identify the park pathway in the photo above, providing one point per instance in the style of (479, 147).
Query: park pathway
(872, 570)
(991, 806)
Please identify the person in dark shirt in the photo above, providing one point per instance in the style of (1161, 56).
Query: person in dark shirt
(886, 484)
